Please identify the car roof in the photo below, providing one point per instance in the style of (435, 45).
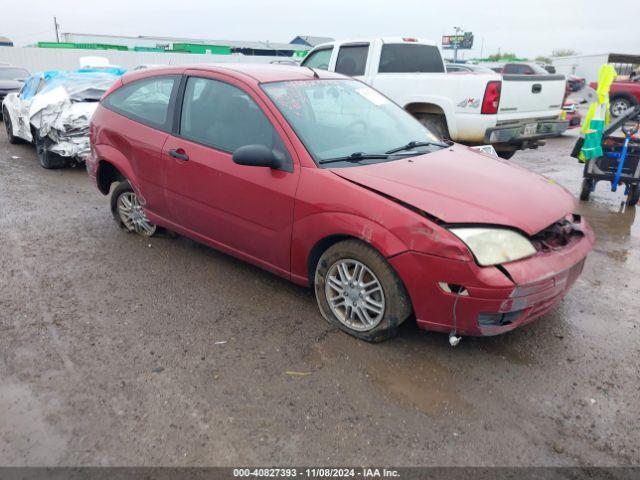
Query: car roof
(251, 72)
(408, 39)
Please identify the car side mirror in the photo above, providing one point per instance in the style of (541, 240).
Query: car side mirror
(257, 156)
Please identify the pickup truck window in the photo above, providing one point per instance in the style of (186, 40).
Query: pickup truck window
(523, 69)
(352, 60)
(319, 59)
(410, 58)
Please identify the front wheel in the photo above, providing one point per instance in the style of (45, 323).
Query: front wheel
(9, 127)
(359, 292)
(47, 159)
(128, 212)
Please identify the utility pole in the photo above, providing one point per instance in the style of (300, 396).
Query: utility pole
(56, 26)
(455, 43)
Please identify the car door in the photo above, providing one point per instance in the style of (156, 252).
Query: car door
(244, 209)
(19, 108)
(146, 109)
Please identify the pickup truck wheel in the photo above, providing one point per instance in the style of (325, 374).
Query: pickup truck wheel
(619, 105)
(47, 159)
(128, 212)
(9, 127)
(506, 154)
(434, 122)
(358, 291)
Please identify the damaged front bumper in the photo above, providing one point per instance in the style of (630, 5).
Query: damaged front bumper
(72, 143)
(456, 295)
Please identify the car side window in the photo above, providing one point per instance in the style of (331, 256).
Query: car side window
(222, 116)
(29, 88)
(146, 100)
(318, 59)
(352, 60)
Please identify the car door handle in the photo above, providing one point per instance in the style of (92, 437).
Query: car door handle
(179, 153)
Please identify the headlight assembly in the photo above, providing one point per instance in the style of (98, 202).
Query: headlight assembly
(493, 246)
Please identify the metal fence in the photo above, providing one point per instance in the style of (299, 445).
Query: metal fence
(39, 59)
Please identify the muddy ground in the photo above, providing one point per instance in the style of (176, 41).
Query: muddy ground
(116, 350)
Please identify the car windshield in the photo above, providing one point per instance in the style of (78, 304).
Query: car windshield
(347, 119)
(13, 74)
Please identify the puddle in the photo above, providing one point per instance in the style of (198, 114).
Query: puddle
(399, 369)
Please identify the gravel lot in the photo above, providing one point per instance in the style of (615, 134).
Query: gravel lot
(116, 350)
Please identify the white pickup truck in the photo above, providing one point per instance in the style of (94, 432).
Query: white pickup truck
(511, 112)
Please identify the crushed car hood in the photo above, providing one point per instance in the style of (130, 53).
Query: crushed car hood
(460, 185)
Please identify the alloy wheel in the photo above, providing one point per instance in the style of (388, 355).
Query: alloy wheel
(133, 216)
(355, 295)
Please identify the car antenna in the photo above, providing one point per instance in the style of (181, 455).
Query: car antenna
(315, 74)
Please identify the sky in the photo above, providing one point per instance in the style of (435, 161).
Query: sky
(527, 28)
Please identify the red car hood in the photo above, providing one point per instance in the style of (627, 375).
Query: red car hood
(459, 185)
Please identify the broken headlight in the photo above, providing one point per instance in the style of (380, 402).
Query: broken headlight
(493, 246)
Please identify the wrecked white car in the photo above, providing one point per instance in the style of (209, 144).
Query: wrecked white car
(53, 110)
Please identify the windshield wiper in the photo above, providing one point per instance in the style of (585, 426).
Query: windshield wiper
(355, 157)
(413, 144)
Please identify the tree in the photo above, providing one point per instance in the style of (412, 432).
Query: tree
(496, 57)
(543, 59)
(563, 52)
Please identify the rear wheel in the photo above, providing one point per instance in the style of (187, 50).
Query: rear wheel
(128, 212)
(47, 159)
(434, 122)
(359, 292)
(587, 187)
(9, 127)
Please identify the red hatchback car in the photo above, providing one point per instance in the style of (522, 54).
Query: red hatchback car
(324, 181)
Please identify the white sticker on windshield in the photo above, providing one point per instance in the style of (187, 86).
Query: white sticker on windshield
(373, 96)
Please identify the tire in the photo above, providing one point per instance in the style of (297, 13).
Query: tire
(618, 105)
(634, 195)
(585, 191)
(434, 122)
(506, 154)
(125, 198)
(379, 312)
(9, 127)
(47, 159)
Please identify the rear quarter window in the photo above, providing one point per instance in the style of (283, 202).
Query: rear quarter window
(146, 101)
(410, 58)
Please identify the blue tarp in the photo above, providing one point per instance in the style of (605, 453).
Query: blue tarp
(56, 78)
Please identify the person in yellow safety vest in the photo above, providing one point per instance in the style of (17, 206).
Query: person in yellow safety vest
(597, 116)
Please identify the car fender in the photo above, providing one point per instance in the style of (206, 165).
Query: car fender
(312, 229)
(14, 105)
(106, 153)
